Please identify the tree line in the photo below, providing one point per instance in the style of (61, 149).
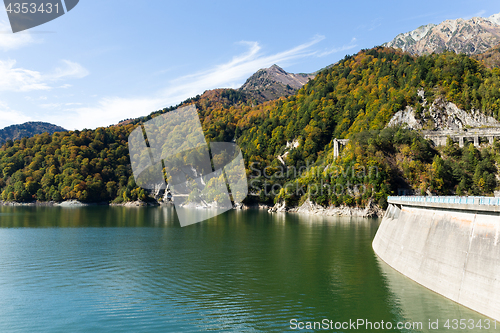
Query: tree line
(353, 99)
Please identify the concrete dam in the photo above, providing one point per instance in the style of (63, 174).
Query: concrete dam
(451, 245)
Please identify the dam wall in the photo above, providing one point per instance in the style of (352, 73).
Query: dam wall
(449, 245)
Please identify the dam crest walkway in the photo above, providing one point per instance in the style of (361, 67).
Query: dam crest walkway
(482, 204)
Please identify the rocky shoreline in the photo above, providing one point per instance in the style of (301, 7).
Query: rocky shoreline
(75, 203)
(69, 203)
(308, 207)
(136, 204)
(311, 208)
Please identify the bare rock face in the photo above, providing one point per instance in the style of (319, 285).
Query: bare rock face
(273, 82)
(441, 115)
(446, 115)
(405, 118)
(279, 207)
(471, 37)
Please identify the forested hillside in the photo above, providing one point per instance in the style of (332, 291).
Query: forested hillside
(353, 99)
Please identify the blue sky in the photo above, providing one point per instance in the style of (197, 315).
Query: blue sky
(109, 60)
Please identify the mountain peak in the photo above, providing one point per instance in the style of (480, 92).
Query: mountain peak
(276, 68)
(472, 36)
(274, 82)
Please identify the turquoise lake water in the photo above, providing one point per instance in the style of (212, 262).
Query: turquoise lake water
(118, 269)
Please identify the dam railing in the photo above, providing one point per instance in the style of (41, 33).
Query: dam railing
(489, 201)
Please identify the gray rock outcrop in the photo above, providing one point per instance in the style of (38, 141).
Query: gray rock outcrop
(441, 115)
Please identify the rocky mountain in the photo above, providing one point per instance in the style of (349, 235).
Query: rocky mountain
(471, 37)
(273, 82)
(28, 130)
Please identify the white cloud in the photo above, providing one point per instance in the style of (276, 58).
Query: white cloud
(51, 105)
(31, 98)
(110, 110)
(349, 46)
(57, 105)
(69, 69)
(478, 14)
(239, 68)
(19, 79)
(11, 41)
(23, 80)
(107, 111)
(10, 117)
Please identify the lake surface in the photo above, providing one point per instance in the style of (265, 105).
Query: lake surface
(118, 269)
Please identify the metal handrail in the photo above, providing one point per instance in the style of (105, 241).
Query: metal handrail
(488, 201)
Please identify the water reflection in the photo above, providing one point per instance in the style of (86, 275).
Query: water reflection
(93, 216)
(419, 304)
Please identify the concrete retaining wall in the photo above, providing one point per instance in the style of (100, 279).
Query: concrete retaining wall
(454, 253)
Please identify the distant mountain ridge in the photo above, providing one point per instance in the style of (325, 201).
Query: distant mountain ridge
(273, 82)
(471, 37)
(29, 129)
